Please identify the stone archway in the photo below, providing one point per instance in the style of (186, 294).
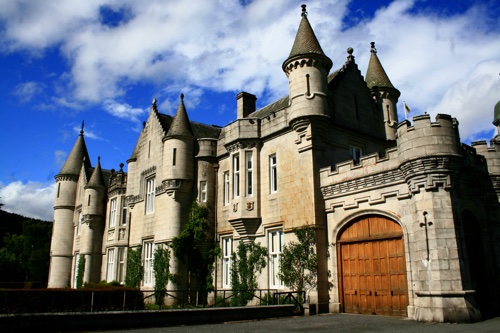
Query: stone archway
(372, 267)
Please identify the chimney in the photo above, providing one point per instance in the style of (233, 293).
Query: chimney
(246, 104)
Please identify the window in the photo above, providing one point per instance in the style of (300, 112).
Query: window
(356, 153)
(227, 252)
(226, 188)
(148, 263)
(249, 172)
(275, 248)
(273, 174)
(203, 191)
(120, 273)
(124, 211)
(75, 268)
(79, 223)
(236, 176)
(174, 156)
(110, 276)
(150, 195)
(112, 213)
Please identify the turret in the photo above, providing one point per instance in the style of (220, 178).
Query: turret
(496, 122)
(61, 255)
(93, 211)
(307, 69)
(179, 163)
(384, 93)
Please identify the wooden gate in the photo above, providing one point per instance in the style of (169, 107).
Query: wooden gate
(372, 267)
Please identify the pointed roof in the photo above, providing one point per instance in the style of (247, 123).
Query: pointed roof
(305, 40)
(180, 124)
(375, 74)
(77, 155)
(496, 114)
(97, 178)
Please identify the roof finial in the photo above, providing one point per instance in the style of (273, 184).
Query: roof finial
(99, 159)
(350, 57)
(153, 105)
(81, 131)
(373, 49)
(182, 97)
(304, 13)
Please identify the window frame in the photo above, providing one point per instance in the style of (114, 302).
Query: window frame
(236, 176)
(123, 219)
(150, 195)
(148, 258)
(112, 213)
(110, 265)
(227, 260)
(203, 191)
(249, 173)
(79, 223)
(275, 237)
(356, 153)
(227, 187)
(273, 173)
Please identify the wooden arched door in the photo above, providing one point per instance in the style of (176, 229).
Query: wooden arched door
(372, 267)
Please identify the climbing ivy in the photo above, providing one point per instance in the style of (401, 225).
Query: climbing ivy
(187, 247)
(299, 261)
(248, 261)
(134, 267)
(161, 269)
(79, 272)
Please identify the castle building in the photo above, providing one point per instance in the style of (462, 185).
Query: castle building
(408, 217)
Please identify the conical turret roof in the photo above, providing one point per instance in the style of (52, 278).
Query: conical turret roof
(375, 74)
(180, 124)
(496, 114)
(305, 40)
(77, 155)
(97, 179)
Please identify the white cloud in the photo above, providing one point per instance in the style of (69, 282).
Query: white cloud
(32, 199)
(229, 46)
(123, 110)
(27, 90)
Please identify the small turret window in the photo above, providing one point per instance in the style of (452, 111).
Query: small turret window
(174, 156)
(203, 191)
(88, 202)
(58, 189)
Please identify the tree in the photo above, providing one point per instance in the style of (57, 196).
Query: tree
(247, 262)
(161, 269)
(191, 244)
(299, 261)
(134, 267)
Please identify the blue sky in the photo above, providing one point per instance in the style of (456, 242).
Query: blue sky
(103, 61)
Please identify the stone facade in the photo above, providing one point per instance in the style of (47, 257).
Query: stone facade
(331, 154)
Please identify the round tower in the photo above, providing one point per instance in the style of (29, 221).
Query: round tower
(61, 247)
(383, 92)
(179, 163)
(93, 211)
(307, 69)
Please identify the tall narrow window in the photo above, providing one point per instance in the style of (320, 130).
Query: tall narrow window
(112, 213)
(236, 176)
(275, 249)
(226, 188)
(273, 174)
(124, 211)
(120, 272)
(88, 202)
(148, 263)
(227, 252)
(356, 153)
(150, 195)
(249, 172)
(110, 276)
(75, 268)
(174, 156)
(203, 191)
(79, 223)
(58, 189)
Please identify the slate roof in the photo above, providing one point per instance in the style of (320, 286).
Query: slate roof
(375, 74)
(97, 178)
(75, 158)
(200, 131)
(305, 40)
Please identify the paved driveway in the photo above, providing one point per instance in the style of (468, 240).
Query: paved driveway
(333, 323)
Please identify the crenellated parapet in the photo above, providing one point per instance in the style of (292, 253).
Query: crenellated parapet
(491, 154)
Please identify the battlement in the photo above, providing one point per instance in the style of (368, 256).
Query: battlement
(426, 138)
(368, 165)
(490, 153)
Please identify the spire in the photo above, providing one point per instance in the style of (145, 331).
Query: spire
(305, 40)
(180, 125)
(77, 155)
(375, 75)
(97, 179)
